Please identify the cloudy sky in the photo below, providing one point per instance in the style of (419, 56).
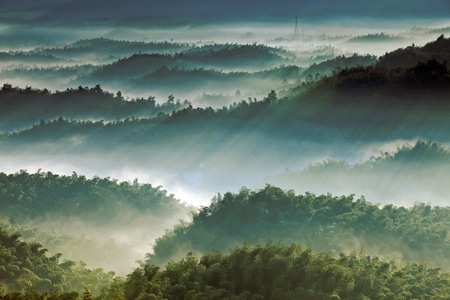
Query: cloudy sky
(212, 10)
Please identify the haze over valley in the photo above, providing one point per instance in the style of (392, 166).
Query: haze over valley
(235, 145)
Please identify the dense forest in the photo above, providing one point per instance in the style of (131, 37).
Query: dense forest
(272, 271)
(25, 107)
(323, 222)
(321, 218)
(275, 271)
(27, 196)
(81, 217)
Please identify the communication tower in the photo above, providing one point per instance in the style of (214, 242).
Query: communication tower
(296, 28)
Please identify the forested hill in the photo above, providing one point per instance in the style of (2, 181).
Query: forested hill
(323, 222)
(50, 197)
(105, 223)
(275, 271)
(26, 267)
(413, 173)
(411, 69)
(108, 49)
(408, 57)
(220, 56)
(272, 271)
(369, 102)
(22, 108)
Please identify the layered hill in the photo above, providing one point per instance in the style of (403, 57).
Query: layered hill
(105, 223)
(323, 222)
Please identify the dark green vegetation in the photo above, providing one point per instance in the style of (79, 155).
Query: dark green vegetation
(324, 222)
(280, 272)
(79, 243)
(24, 107)
(273, 271)
(44, 195)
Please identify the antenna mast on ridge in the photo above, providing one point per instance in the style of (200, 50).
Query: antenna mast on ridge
(296, 28)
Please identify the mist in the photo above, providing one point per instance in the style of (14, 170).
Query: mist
(70, 55)
(123, 124)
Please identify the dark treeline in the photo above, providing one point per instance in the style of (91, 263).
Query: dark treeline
(28, 57)
(24, 107)
(410, 68)
(365, 103)
(213, 68)
(137, 68)
(103, 49)
(198, 78)
(41, 195)
(214, 55)
(325, 223)
(318, 70)
(256, 56)
(328, 117)
(377, 37)
(430, 73)
(45, 73)
(409, 56)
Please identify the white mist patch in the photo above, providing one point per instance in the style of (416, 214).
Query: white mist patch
(400, 172)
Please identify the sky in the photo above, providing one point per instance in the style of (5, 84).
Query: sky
(192, 11)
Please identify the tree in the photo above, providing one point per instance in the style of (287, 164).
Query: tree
(87, 294)
(271, 97)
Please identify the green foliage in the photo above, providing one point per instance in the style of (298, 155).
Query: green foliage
(275, 271)
(24, 196)
(115, 291)
(25, 267)
(326, 223)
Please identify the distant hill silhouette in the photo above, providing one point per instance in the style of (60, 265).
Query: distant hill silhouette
(438, 50)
